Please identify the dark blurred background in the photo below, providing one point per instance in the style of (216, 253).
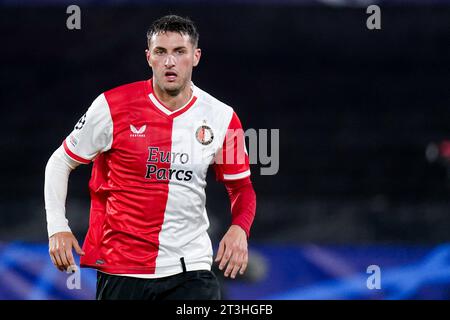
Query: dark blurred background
(356, 110)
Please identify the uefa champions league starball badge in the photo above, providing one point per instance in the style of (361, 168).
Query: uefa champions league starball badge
(204, 134)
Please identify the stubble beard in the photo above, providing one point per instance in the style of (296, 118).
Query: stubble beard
(175, 90)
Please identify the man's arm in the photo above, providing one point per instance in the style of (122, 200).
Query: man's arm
(61, 238)
(92, 135)
(233, 248)
(233, 169)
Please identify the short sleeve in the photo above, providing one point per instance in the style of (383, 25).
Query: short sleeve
(231, 161)
(92, 134)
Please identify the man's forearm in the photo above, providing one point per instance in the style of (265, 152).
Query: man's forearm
(57, 174)
(243, 203)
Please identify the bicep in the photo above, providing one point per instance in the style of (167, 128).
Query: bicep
(232, 161)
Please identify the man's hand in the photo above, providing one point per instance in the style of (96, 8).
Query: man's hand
(233, 250)
(60, 250)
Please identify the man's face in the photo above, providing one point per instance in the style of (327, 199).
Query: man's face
(172, 56)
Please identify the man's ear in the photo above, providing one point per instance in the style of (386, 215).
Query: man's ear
(197, 55)
(147, 56)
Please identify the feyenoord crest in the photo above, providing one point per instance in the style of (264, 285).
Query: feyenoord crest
(204, 134)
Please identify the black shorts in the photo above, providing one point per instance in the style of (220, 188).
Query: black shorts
(191, 285)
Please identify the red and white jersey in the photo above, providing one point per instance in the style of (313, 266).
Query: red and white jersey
(148, 178)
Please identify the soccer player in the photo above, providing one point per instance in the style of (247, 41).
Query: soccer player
(151, 143)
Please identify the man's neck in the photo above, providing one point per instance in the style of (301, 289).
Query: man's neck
(173, 103)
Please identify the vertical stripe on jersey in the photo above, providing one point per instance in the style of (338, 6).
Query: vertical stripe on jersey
(184, 231)
(134, 218)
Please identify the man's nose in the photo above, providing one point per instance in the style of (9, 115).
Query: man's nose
(170, 61)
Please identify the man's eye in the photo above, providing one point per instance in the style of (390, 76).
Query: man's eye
(159, 52)
(181, 51)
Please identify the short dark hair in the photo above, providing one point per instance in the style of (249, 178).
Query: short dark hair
(174, 23)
